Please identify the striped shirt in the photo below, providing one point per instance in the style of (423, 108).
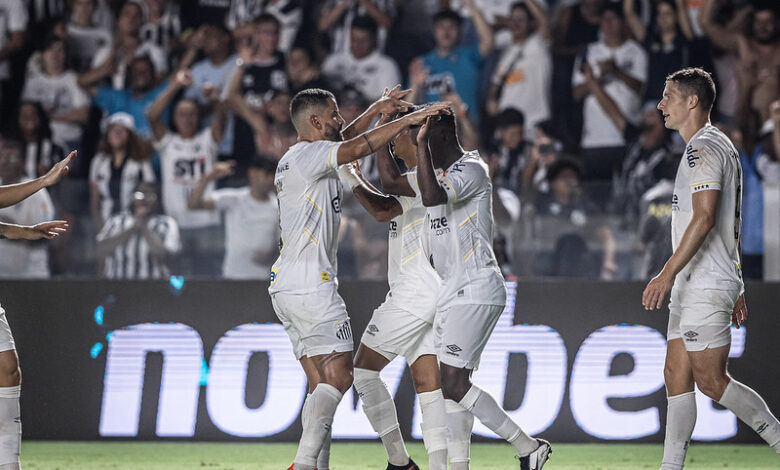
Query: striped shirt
(40, 156)
(133, 259)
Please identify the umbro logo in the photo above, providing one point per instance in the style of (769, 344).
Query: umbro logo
(761, 428)
(690, 335)
(453, 349)
(372, 330)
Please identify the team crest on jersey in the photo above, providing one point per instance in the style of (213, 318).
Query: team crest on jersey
(343, 330)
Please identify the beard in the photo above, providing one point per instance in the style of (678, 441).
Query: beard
(332, 134)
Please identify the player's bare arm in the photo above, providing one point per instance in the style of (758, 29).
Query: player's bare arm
(393, 182)
(391, 102)
(368, 142)
(382, 207)
(705, 207)
(44, 230)
(14, 193)
(430, 190)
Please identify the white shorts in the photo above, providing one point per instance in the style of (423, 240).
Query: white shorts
(6, 338)
(701, 317)
(392, 331)
(317, 323)
(462, 331)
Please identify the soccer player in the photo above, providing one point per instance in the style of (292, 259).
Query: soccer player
(703, 273)
(10, 374)
(303, 280)
(459, 226)
(403, 324)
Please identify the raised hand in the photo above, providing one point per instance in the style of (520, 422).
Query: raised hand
(418, 73)
(420, 116)
(222, 169)
(392, 101)
(184, 78)
(60, 169)
(47, 230)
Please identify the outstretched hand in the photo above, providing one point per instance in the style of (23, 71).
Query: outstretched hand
(59, 170)
(222, 169)
(392, 101)
(47, 230)
(420, 116)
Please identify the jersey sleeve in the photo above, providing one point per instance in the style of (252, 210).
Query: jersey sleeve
(704, 168)
(319, 158)
(162, 144)
(224, 198)
(464, 180)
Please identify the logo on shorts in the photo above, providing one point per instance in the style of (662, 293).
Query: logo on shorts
(690, 335)
(762, 427)
(372, 330)
(344, 331)
(453, 349)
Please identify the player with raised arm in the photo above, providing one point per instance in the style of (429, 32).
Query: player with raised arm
(459, 228)
(303, 279)
(403, 324)
(703, 273)
(10, 374)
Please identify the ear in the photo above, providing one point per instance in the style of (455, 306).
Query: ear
(693, 101)
(315, 122)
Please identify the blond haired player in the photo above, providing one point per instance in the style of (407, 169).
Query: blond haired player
(703, 273)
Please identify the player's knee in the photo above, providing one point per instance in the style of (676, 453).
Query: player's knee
(341, 379)
(712, 385)
(427, 381)
(454, 384)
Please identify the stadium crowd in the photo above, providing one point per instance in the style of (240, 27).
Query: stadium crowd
(180, 110)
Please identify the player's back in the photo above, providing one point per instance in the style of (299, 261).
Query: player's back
(309, 194)
(460, 234)
(710, 162)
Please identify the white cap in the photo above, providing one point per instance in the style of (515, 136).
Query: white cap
(123, 119)
(767, 128)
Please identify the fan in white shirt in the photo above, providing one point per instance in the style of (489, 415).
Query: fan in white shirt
(251, 217)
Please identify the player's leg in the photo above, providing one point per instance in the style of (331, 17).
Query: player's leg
(711, 375)
(427, 384)
(378, 404)
(10, 391)
(313, 377)
(466, 329)
(681, 409)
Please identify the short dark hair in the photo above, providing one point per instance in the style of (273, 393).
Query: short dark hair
(510, 117)
(695, 81)
(365, 23)
(615, 8)
(309, 98)
(521, 6)
(564, 163)
(263, 162)
(448, 14)
(267, 18)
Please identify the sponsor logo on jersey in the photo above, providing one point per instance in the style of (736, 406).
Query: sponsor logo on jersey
(453, 349)
(282, 168)
(274, 274)
(439, 225)
(336, 203)
(343, 331)
(690, 155)
(324, 277)
(690, 336)
(372, 329)
(675, 202)
(393, 229)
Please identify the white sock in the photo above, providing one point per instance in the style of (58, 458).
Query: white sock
(459, 424)
(751, 408)
(485, 408)
(323, 460)
(380, 410)
(680, 421)
(319, 408)
(434, 428)
(10, 427)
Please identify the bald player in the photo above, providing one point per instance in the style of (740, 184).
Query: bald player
(304, 278)
(703, 273)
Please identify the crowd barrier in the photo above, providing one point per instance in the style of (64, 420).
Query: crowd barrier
(208, 360)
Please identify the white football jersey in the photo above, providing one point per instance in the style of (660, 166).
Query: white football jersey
(460, 236)
(309, 193)
(183, 162)
(414, 285)
(710, 162)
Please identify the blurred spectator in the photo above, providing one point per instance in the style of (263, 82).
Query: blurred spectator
(303, 71)
(211, 75)
(450, 67)
(57, 90)
(200, 12)
(123, 162)
(112, 60)
(362, 67)
(162, 26)
(251, 218)
(132, 100)
(619, 65)
(288, 12)
(139, 244)
(565, 200)
(337, 16)
(35, 61)
(43, 15)
(509, 159)
(22, 258)
(654, 236)
(544, 152)
(85, 37)
(769, 163)
(522, 78)
(668, 42)
(34, 132)
(13, 23)
(186, 155)
(758, 60)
